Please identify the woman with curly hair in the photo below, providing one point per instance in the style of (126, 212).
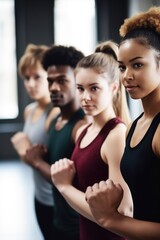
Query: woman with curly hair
(139, 64)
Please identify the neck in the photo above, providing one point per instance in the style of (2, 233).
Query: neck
(68, 110)
(100, 120)
(42, 103)
(151, 104)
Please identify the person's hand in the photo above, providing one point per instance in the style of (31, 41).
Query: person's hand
(104, 199)
(20, 143)
(62, 173)
(36, 154)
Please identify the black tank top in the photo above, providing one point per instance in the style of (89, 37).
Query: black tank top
(141, 170)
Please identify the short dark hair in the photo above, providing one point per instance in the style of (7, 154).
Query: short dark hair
(61, 55)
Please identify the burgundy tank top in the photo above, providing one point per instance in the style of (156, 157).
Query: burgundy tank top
(90, 168)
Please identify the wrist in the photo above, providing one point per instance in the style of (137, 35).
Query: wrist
(112, 222)
(64, 188)
(36, 164)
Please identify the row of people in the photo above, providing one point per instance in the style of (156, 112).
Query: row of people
(37, 118)
(86, 146)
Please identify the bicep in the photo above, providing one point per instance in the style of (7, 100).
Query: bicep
(114, 151)
(113, 147)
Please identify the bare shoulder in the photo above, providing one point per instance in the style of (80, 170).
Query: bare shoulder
(115, 140)
(119, 131)
(53, 113)
(80, 126)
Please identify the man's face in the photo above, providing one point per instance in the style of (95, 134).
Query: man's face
(61, 84)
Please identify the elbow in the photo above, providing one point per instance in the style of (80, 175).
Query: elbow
(126, 210)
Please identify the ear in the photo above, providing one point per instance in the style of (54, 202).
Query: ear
(114, 88)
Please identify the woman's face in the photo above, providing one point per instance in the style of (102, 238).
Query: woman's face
(139, 71)
(94, 92)
(35, 82)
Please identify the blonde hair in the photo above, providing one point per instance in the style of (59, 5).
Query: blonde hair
(104, 61)
(31, 58)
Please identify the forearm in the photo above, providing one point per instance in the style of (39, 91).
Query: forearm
(131, 228)
(44, 169)
(76, 199)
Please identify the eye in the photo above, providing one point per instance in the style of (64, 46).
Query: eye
(137, 65)
(26, 78)
(61, 80)
(94, 88)
(122, 68)
(49, 81)
(37, 77)
(80, 89)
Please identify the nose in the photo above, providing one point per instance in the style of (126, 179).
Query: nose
(54, 87)
(128, 75)
(30, 82)
(86, 96)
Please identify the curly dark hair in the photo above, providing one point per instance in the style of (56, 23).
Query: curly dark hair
(61, 55)
(145, 20)
(144, 27)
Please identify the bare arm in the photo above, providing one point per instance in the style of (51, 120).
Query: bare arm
(32, 155)
(104, 199)
(112, 151)
(20, 143)
(62, 173)
(35, 157)
(19, 140)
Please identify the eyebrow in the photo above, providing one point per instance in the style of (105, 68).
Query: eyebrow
(92, 84)
(57, 77)
(133, 59)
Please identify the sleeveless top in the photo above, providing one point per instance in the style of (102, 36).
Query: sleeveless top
(141, 170)
(90, 168)
(37, 134)
(61, 145)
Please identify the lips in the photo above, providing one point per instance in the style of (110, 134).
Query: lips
(87, 107)
(32, 93)
(55, 97)
(130, 87)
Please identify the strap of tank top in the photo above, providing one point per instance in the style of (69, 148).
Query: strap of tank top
(131, 130)
(54, 122)
(83, 133)
(102, 134)
(154, 125)
(45, 113)
(151, 129)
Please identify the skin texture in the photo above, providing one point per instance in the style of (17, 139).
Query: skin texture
(95, 96)
(140, 74)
